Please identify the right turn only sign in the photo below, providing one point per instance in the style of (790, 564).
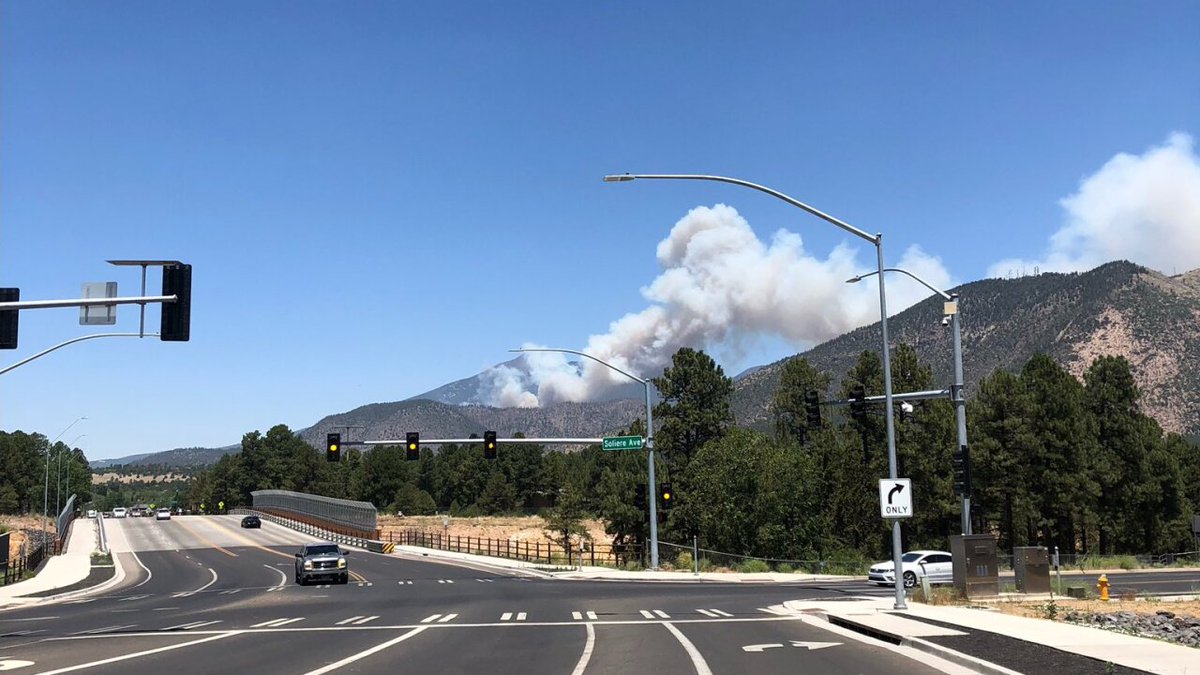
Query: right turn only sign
(895, 498)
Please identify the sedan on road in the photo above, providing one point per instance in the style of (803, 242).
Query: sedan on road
(936, 565)
(162, 514)
(251, 521)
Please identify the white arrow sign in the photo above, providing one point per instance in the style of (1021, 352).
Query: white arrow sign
(13, 664)
(759, 648)
(895, 498)
(814, 645)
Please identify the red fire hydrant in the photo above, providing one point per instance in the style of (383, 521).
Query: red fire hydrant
(1102, 584)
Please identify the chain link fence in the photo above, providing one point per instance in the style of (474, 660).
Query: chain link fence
(683, 557)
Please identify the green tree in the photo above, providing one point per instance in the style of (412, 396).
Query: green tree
(788, 404)
(499, 495)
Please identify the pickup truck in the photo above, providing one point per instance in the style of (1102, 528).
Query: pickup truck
(322, 560)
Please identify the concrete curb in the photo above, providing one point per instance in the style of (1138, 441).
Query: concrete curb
(958, 658)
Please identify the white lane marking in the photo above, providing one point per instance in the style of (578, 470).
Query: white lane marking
(133, 597)
(409, 582)
(282, 578)
(214, 580)
(445, 581)
(587, 650)
(124, 657)
(81, 602)
(106, 629)
(707, 612)
(22, 632)
(365, 583)
(430, 619)
(591, 616)
(363, 654)
(365, 619)
(646, 613)
(661, 614)
(231, 591)
(13, 664)
(577, 616)
(485, 581)
(814, 645)
(758, 649)
(506, 616)
(520, 616)
(138, 560)
(343, 622)
(719, 612)
(275, 623)
(190, 626)
(698, 662)
(446, 618)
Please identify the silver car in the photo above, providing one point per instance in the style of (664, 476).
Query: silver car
(322, 561)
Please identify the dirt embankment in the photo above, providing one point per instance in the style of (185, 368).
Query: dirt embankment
(102, 478)
(530, 529)
(15, 525)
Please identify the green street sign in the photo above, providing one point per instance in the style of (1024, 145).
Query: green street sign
(623, 443)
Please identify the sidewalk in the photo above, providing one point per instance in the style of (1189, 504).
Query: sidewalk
(983, 638)
(60, 571)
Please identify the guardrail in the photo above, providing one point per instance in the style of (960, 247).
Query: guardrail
(102, 538)
(536, 552)
(316, 530)
(14, 569)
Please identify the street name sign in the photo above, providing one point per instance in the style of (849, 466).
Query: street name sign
(895, 498)
(623, 443)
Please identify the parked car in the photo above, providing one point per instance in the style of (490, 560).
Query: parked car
(936, 565)
(251, 521)
(322, 560)
(120, 512)
(162, 514)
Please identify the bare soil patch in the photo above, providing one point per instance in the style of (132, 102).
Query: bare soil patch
(1146, 607)
(124, 479)
(15, 525)
(529, 529)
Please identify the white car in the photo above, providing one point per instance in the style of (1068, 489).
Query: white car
(936, 565)
(120, 512)
(91, 513)
(162, 514)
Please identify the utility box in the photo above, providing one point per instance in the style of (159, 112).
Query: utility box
(976, 566)
(1032, 567)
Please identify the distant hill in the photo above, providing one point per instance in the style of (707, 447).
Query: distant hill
(179, 457)
(1119, 308)
(1116, 309)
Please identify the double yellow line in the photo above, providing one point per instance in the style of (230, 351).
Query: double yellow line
(254, 544)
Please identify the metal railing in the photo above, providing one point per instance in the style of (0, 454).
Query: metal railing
(342, 516)
(14, 569)
(541, 553)
(65, 517)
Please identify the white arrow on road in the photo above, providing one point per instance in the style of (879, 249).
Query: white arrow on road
(13, 664)
(814, 645)
(759, 648)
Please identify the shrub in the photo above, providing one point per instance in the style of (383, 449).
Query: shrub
(706, 565)
(784, 568)
(753, 565)
(684, 561)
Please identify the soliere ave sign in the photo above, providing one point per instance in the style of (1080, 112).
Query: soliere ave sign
(895, 498)
(623, 443)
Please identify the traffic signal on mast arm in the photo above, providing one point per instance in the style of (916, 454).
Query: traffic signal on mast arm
(412, 446)
(333, 447)
(176, 325)
(812, 407)
(8, 318)
(962, 471)
(639, 497)
(858, 403)
(489, 445)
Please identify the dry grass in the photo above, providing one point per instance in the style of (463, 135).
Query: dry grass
(102, 478)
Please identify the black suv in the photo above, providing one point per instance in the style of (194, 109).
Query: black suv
(251, 521)
(322, 561)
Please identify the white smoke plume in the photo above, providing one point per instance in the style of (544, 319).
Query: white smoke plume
(722, 287)
(1143, 208)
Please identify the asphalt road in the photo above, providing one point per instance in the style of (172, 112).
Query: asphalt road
(208, 597)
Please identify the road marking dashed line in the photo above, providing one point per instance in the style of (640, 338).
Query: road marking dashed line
(646, 613)
(520, 616)
(191, 625)
(486, 581)
(661, 614)
(134, 597)
(276, 623)
(445, 581)
(406, 581)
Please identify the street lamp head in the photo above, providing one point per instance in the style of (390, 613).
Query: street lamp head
(619, 177)
(853, 280)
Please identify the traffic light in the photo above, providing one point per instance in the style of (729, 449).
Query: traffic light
(412, 446)
(333, 447)
(858, 403)
(962, 471)
(639, 497)
(176, 316)
(8, 318)
(489, 445)
(666, 496)
(812, 407)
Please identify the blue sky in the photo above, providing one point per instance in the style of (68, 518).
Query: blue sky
(382, 197)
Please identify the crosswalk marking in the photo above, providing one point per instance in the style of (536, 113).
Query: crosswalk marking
(647, 614)
(719, 612)
(577, 616)
(591, 616)
(276, 623)
(661, 614)
(192, 625)
(365, 583)
(485, 581)
(445, 581)
(438, 618)
(406, 581)
(357, 620)
(520, 616)
(106, 629)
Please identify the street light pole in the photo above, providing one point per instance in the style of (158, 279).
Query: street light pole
(877, 240)
(957, 391)
(46, 483)
(651, 489)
